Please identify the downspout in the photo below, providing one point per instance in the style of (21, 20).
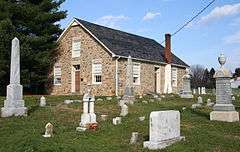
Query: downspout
(116, 76)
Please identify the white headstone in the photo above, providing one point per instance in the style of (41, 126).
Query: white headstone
(124, 110)
(109, 98)
(42, 101)
(141, 118)
(209, 103)
(233, 98)
(164, 129)
(194, 91)
(14, 104)
(199, 90)
(134, 138)
(104, 117)
(48, 131)
(88, 116)
(203, 90)
(117, 120)
(200, 101)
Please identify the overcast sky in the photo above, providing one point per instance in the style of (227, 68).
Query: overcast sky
(216, 31)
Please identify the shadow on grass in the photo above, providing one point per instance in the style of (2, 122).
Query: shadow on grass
(146, 138)
(200, 113)
(32, 109)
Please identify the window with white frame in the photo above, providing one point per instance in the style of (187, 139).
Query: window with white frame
(174, 77)
(136, 73)
(76, 47)
(57, 74)
(96, 73)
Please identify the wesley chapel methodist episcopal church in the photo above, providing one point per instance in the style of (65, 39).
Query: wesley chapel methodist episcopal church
(90, 55)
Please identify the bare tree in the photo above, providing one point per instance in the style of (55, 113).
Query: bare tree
(197, 72)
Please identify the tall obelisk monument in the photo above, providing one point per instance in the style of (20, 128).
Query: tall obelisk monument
(14, 104)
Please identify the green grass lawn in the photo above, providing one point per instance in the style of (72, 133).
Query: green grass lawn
(24, 134)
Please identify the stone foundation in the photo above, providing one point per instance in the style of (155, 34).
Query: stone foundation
(161, 144)
(227, 116)
(8, 112)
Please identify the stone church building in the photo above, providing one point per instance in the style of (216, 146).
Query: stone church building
(95, 56)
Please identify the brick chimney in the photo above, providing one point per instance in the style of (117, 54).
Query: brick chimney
(167, 49)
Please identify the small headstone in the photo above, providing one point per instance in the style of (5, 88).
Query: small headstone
(124, 110)
(140, 97)
(68, 101)
(99, 99)
(164, 129)
(118, 97)
(163, 96)
(134, 138)
(121, 102)
(117, 120)
(144, 101)
(42, 101)
(141, 118)
(48, 130)
(203, 90)
(199, 90)
(196, 105)
(233, 98)
(194, 91)
(200, 101)
(109, 98)
(79, 101)
(184, 108)
(151, 100)
(155, 96)
(104, 117)
(209, 103)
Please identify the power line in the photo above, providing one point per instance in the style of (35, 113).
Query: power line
(200, 12)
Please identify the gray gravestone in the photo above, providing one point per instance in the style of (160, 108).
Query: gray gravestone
(128, 96)
(224, 110)
(164, 129)
(187, 92)
(14, 104)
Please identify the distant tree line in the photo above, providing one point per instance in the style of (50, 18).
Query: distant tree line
(237, 73)
(202, 77)
(36, 24)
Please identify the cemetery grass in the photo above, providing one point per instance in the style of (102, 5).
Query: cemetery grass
(24, 134)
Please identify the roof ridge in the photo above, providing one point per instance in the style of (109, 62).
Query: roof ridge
(116, 30)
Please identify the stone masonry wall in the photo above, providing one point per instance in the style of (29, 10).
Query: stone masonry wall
(90, 50)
